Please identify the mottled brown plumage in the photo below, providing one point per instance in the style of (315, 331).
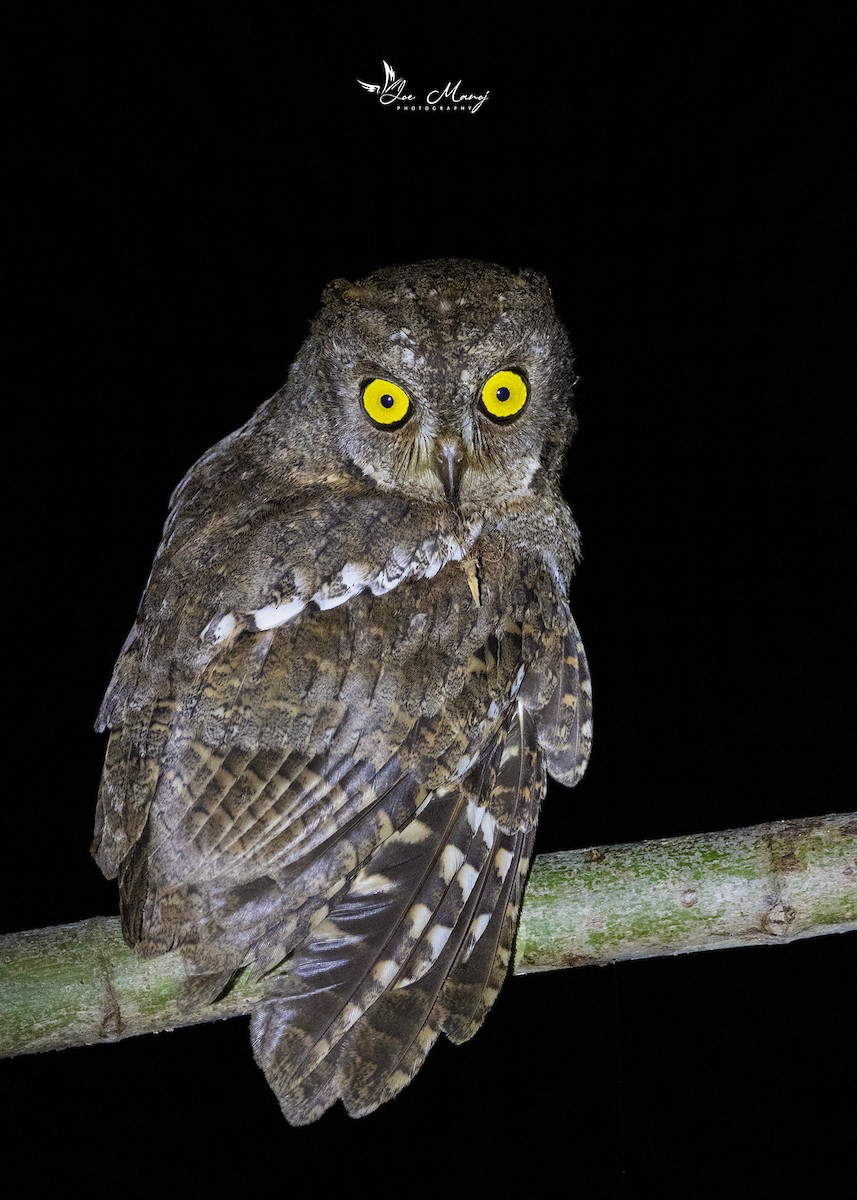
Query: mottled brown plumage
(352, 667)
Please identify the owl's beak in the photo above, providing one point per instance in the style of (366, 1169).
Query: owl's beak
(448, 463)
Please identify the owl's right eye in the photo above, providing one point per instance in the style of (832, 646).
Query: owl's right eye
(385, 403)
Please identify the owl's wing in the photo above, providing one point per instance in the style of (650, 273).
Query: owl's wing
(419, 943)
(352, 791)
(234, 650)
(259, 785)
(558, 692)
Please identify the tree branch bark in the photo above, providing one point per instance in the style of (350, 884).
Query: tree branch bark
(75, 985)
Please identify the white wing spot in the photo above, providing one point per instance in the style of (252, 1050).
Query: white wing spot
(438, 937)
(467, 878)
(414, 831)
(454, 550)
(420, 915)
(352, 1013)
(464, 765)
(475, 813)
(382, 583)
(480, 925)
(435, 563)
(368, 885)
(477, 928)
(325, 601)
(502, 861)
(328, 931)
(450, 861)
(385, 972)
(353, 573)
(224, 627)
(273, 615)
(488, 829)
(510, 750)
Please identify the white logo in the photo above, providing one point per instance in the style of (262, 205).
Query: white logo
(450, 98)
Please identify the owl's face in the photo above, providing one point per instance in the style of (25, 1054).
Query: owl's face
(449, 380)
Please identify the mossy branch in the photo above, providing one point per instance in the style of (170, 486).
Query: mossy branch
(75, 985)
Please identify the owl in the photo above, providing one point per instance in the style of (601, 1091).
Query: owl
(352, 669)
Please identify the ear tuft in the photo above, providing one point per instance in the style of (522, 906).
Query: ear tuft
(343, 289)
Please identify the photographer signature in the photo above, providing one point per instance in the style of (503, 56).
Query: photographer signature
(392, 91)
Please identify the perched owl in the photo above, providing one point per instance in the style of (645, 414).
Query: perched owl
(353, 664)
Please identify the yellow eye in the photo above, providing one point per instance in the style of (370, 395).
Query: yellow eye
(385, 403)
(504, 395)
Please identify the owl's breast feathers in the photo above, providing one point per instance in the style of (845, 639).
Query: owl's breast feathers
(326, 762)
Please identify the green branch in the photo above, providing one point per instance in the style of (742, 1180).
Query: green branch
(78, 984)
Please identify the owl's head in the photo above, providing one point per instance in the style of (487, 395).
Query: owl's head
(448, 380)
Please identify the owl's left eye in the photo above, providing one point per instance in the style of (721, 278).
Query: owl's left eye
(503, 395)
(385, 403)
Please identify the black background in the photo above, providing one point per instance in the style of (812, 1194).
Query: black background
(184, 189)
